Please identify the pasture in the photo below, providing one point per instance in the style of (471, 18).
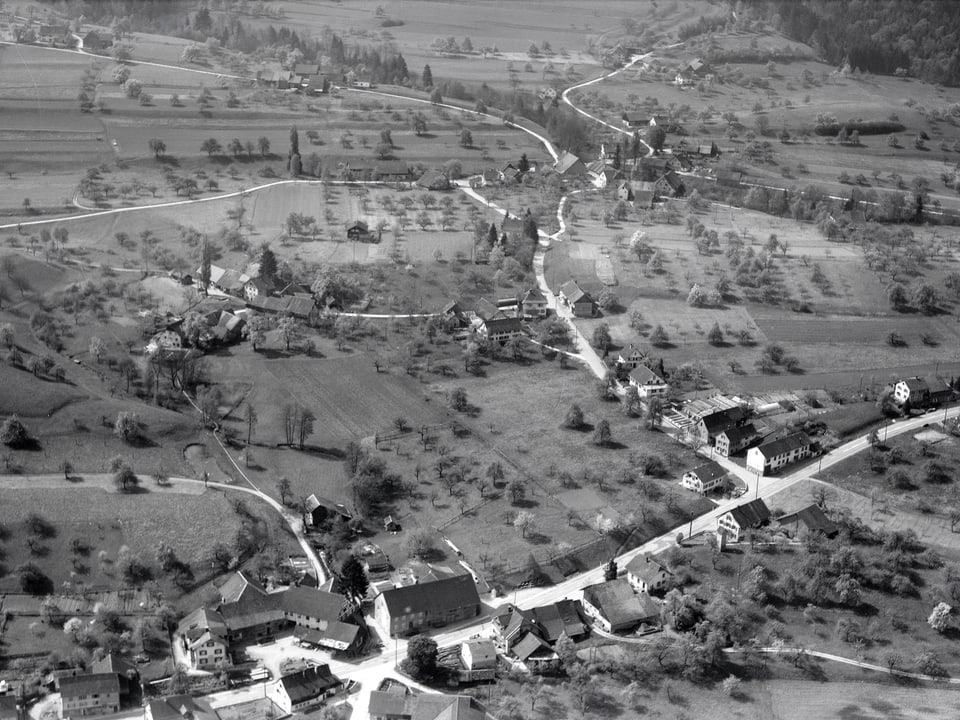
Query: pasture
(349, 397)
(107, 520)
(848, 316)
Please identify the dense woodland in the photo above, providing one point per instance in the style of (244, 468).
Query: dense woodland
(877, 36)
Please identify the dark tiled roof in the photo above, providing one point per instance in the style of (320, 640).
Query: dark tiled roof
(113, 664)
(507, 324)
(94, 684)
(530, 645)
(567, 162)
(643, 375)
(709, 471)
(813, 518)
(560, 617)
(617, 602)
(784, 445)
(336, 633)
(313, 603)
(751, 514)
(533, 295)
(739, 433)
(309, 683)
(176, 707)
(572, 292)
(435, 598)
(723, 419)
(646, 568)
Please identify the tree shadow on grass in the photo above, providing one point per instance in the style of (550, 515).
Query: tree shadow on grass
(526, 503)
(538, 538)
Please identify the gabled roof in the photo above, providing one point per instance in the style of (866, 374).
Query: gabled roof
(306, 69)
(530, 645)
(813, 518)
(673, 180)
(391, 167)
(112, 663)
(558, 618)
(503, 324)
(316, 501)
(751, 514)
(309, 683)
(300, 307)
(709, 471)
(573, 292)
(642, 375)
(93, 684)
(425, 706)
(336, 634)
(482, 650)
(533, 295)
(262, 285)
(201, 621)
(435, 598)
(646, 568)
(631, 349)
(784, 445)
(177, 707)
(723, 419)
(636, 118)
(358, 225)
(246, 603)
(313, 603)
(433, 179)
(567, 162)
(738, 433)
(617, 602)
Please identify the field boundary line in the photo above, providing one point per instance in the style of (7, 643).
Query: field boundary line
(846, 661)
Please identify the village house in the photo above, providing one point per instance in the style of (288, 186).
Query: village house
(94, 41)
(810, 520)
(773, 455)
(642, 194)
(634, 119)
(751, 515)
(357, 230)
(646, 575)
(395, 171)
(917, 392)
(617, 608)
(579, 301)
(500, 329)
(434, 181)
(736, 439)
(479, 659)
(711, 424)
(647, 382)
(407, 610)
(630, 357)
(729, 178)
(424, 706)
(179, 707)
(305, 689)
(706, 478)
(651, 169)
(669, 185)
(544, 625)
(320, 510)
(126, 672)
(203, 637)
(257, 288)
(85, 695)
(534, 304)
(247, 613)
(570, 166)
